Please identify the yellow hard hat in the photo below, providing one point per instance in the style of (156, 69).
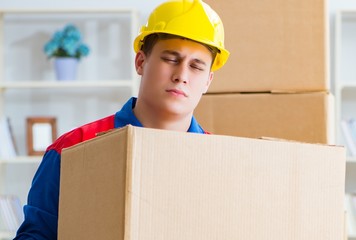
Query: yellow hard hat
(192, 19)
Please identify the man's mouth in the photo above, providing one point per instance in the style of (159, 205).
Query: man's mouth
(177, 92)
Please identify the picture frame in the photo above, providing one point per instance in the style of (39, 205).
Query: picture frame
(41, 132)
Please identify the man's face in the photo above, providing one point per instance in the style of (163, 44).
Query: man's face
(174, 76)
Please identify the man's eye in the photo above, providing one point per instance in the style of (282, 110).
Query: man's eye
(173, 60)
(197, 67)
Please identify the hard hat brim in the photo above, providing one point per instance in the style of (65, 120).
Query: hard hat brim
(219, 61)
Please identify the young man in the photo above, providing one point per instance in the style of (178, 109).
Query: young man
(176, 54)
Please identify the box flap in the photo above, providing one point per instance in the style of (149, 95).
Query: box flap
(92, 189)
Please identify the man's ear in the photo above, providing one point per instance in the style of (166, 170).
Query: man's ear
(139, 61)
(211, 76)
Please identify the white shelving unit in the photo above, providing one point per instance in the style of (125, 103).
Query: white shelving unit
(345, 95)
(106, 78)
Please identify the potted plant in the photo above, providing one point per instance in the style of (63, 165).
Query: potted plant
(67, 48)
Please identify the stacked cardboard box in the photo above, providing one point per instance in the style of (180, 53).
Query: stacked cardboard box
(275, 83)
(304, 117)
(145, 184)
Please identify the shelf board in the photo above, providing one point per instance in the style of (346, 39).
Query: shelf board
(66, 10)
(344, 85)
(66, 84)
(351, 12)
(22, 160)
(351, 160)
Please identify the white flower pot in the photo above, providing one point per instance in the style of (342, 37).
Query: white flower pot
(66, 68)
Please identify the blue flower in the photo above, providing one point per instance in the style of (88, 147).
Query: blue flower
(83, 50)
(66, 43)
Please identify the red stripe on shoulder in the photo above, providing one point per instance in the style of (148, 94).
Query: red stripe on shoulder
(83, 133)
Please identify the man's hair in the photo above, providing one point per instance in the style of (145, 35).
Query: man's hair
(150, 40)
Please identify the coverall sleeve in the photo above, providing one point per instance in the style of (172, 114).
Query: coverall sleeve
(41, 211)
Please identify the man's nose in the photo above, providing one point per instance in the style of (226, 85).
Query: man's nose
(181, 74)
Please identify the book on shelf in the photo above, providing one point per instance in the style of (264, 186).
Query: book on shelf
(7, 140)
(11, 215)
(348, 128)
(12, 135)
